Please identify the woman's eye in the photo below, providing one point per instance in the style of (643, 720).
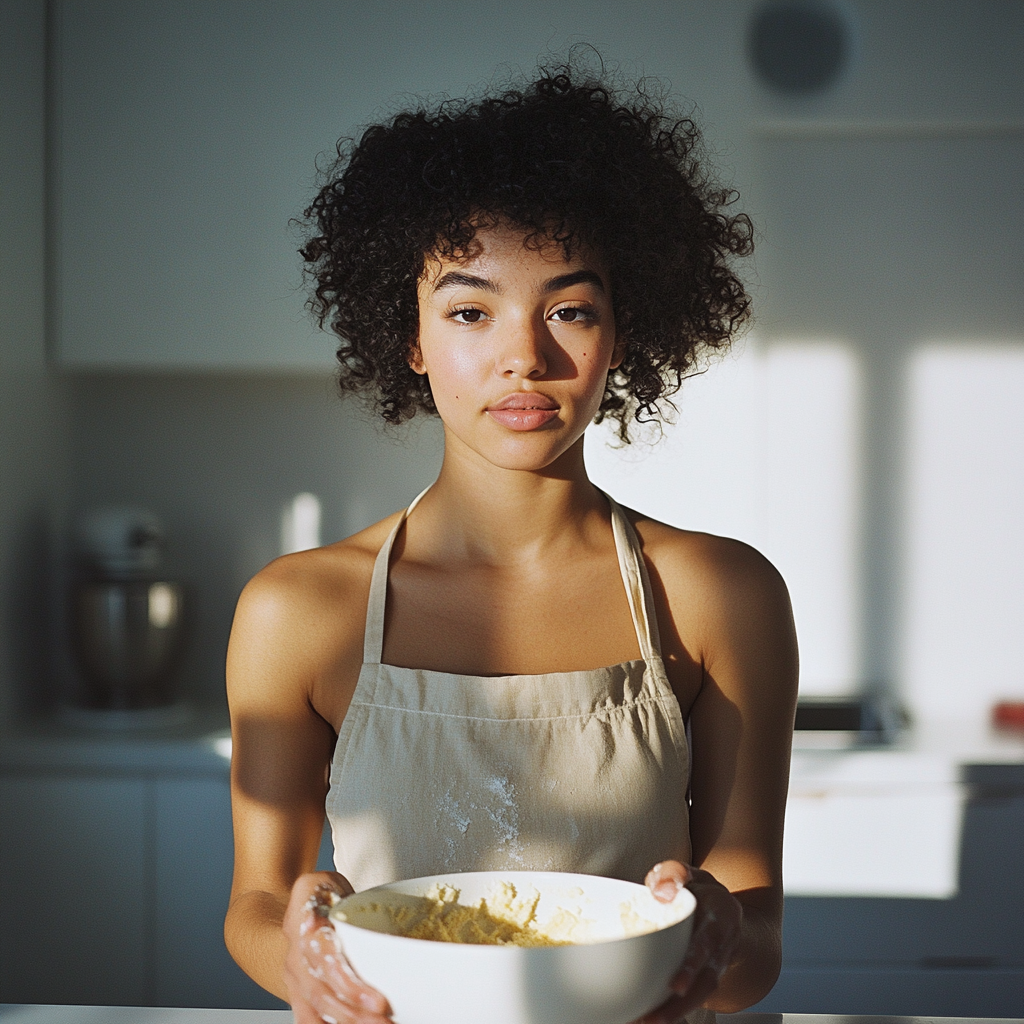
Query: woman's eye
(572, 315)
(467, 316)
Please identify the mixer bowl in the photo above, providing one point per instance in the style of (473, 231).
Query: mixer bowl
(127, 635)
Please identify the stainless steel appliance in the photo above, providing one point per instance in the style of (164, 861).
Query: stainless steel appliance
(126, 620)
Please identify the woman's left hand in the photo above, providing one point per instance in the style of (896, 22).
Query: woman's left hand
(715, 939)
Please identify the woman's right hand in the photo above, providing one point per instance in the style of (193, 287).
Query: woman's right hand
(322, 987)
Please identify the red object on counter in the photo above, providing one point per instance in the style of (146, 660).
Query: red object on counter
(1009, 714)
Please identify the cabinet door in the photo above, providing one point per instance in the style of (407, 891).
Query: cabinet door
(194, 854)
(72, 891)
(961, 956)
(183, 157)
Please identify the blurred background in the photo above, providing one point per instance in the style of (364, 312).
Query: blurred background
(867, 435)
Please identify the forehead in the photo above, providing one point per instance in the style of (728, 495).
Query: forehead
(510, 249)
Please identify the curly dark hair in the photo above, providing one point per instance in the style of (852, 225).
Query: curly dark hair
(567, 158)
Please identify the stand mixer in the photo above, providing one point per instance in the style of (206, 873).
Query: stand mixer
(126, 620)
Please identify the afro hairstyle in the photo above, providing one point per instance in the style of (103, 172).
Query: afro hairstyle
(569, 159)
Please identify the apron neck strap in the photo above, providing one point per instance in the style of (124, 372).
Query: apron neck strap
(636, 581)
(631, 566)
(373, 637)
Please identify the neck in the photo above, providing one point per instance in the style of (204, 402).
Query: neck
(509, 516)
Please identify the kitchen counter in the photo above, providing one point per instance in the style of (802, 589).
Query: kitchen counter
(156, 1015)
(200, 744)
(40, 1014)
(141, 819)
(901, 867)
(903, 877)
(862, 821)
(887, 821)
(930, 753)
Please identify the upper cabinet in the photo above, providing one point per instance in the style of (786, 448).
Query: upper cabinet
(185, 137)
(181, 159)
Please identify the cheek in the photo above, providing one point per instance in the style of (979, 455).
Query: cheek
(592, 364)
(592, 376)
(454, 372)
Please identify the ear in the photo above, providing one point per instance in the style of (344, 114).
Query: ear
(415, 358)
(618, 352)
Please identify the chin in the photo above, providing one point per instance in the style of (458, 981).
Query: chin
(522, 462)
(525, 453)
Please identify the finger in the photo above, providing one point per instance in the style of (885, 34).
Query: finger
(697, 994)
(329, 1009)
(318, 1002)
(325, 1014)
(326, 963)
(667, 879)
(304, 1013)
(318, 1005)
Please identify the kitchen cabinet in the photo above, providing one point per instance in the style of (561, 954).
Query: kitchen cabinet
(138, 832)
(193, 864)
(115, 875)
(951, 957)
(73, 872)
(186, 138)
(193, 861)
(181, 161)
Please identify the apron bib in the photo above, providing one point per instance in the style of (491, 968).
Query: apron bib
(436, 772)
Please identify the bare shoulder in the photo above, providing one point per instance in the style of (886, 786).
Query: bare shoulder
(730, 648)
(299, 622)
(725, 599)
(723, 568)
(309, 585)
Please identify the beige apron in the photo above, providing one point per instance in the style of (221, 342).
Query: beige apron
(564, 771)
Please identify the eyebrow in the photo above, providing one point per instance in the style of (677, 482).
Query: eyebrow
(456, 279)
(576, 277)
(453, 279)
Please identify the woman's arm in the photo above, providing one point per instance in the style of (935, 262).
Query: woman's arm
(283, 647)
(740, 630)
(281, 752)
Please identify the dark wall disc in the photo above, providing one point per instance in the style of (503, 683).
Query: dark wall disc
(798, 47)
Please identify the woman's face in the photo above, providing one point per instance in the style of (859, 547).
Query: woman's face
(517, 344)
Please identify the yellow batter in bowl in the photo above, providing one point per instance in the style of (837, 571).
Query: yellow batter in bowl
(503, 917)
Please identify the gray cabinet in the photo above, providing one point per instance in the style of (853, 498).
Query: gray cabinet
(73, 872)
(179, 169)
(114, 891)
(193, 861)
(958, 957)
(186, 138)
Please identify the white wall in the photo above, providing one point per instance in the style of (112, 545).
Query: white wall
(963, 611)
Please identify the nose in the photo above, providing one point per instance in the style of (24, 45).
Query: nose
(522, 350)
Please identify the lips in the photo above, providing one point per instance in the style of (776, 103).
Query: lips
(523, 410)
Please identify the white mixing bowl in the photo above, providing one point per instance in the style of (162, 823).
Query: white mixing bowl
(609, 976)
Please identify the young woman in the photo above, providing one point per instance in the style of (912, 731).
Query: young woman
(515, 672)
